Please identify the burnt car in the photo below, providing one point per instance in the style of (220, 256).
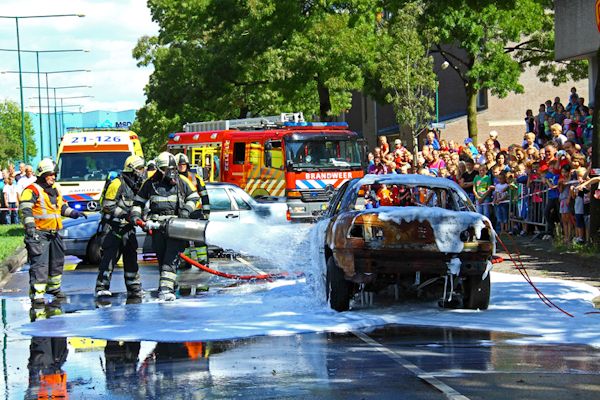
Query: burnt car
(412, 231)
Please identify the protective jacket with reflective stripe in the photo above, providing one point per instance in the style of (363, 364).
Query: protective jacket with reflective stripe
(39, 208)
(165, 199)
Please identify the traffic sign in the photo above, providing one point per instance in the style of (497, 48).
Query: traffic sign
(438, 125)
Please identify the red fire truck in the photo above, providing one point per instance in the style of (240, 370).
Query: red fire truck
(281, 156)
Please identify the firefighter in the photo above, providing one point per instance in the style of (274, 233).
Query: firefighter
(41, 209)
(183, 166)
(169, 195)
(119, 233)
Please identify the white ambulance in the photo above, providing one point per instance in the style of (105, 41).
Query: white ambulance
(86, 157)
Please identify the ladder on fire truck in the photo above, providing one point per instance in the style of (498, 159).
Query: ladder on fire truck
(244, 123)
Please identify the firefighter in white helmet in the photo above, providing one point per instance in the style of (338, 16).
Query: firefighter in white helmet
(118, 232)
(169, 195)
(42, 208)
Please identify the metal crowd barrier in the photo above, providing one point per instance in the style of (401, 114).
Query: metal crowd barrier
(528, 207)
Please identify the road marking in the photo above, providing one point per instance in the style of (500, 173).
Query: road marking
(250, 265)
(419, 373)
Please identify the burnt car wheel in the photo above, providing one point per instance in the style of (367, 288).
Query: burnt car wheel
(477, 292)
(338, 289)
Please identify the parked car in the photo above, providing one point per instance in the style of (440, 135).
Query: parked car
(428, 235)
(228, 202)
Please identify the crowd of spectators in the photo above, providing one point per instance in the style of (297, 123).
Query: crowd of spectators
(546, 174)
(12, 183)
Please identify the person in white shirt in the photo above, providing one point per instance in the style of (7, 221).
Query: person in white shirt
(11, 199)
(27, 179)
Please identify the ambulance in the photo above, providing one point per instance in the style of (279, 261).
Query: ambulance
(86, 157)
(280, 156)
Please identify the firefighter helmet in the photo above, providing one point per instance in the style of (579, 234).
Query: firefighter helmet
(182, 159)
(151, 166)
(132, 163)
(45, 166)
(165, 160)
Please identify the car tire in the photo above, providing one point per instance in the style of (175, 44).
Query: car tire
(338, 289)
(477, 292)
(93, 253)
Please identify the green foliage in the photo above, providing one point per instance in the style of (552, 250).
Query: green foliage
(11, 143)
(152, 125)
(236, 58)
(405, 72)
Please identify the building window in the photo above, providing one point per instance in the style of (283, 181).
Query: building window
(482, 100)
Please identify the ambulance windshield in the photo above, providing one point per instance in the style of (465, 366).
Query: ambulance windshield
(323, 154)
(73, 167)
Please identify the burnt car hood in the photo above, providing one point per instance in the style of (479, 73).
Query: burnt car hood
(436, 224)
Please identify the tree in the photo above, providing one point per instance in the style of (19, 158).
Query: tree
(231, 59)
(11, 141)
(497, 41)
(403, 74)
(151, 124)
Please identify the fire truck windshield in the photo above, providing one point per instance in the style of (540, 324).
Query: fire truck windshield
(323, 154)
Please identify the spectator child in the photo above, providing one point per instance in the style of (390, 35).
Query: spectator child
(501, 202)
(384, 146)
(385, 196)
(564, 187)
(578, 193)
(482, 189)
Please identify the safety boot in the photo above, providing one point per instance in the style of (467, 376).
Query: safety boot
(166, 296)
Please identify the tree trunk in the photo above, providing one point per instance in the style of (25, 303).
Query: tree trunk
(324, 101)
(595, 203)
(472, 112)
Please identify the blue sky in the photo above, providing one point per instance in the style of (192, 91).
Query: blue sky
(109, 30)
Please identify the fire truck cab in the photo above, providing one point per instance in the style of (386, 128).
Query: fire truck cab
(276, 156)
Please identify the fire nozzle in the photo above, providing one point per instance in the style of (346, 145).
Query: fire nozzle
(179, 228)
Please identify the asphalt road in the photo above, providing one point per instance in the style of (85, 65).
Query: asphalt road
(389, 363)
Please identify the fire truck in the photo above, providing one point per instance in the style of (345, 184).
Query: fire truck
(276, 156)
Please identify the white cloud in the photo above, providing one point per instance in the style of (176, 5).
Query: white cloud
(110, 30)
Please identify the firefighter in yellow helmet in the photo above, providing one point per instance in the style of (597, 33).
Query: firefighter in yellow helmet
(118, 232)
(169, 195)
(183, 166)
(41, 210)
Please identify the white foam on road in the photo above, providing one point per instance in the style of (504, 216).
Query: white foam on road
(286, 308)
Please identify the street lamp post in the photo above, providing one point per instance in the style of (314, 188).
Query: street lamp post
(56, 112)
(37, 56)
(16, 18)
(47, 89)
(48, 102)
(444, 65)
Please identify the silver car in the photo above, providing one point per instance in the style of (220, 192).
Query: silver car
(228, 202)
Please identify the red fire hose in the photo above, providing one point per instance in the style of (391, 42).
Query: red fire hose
(203, 267)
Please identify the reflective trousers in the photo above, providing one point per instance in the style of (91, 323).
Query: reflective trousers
(167, 251)
(119, 241)
(46, 259)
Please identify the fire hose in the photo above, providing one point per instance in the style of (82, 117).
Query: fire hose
(194, 230)
(203, 267)
(521, 268)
